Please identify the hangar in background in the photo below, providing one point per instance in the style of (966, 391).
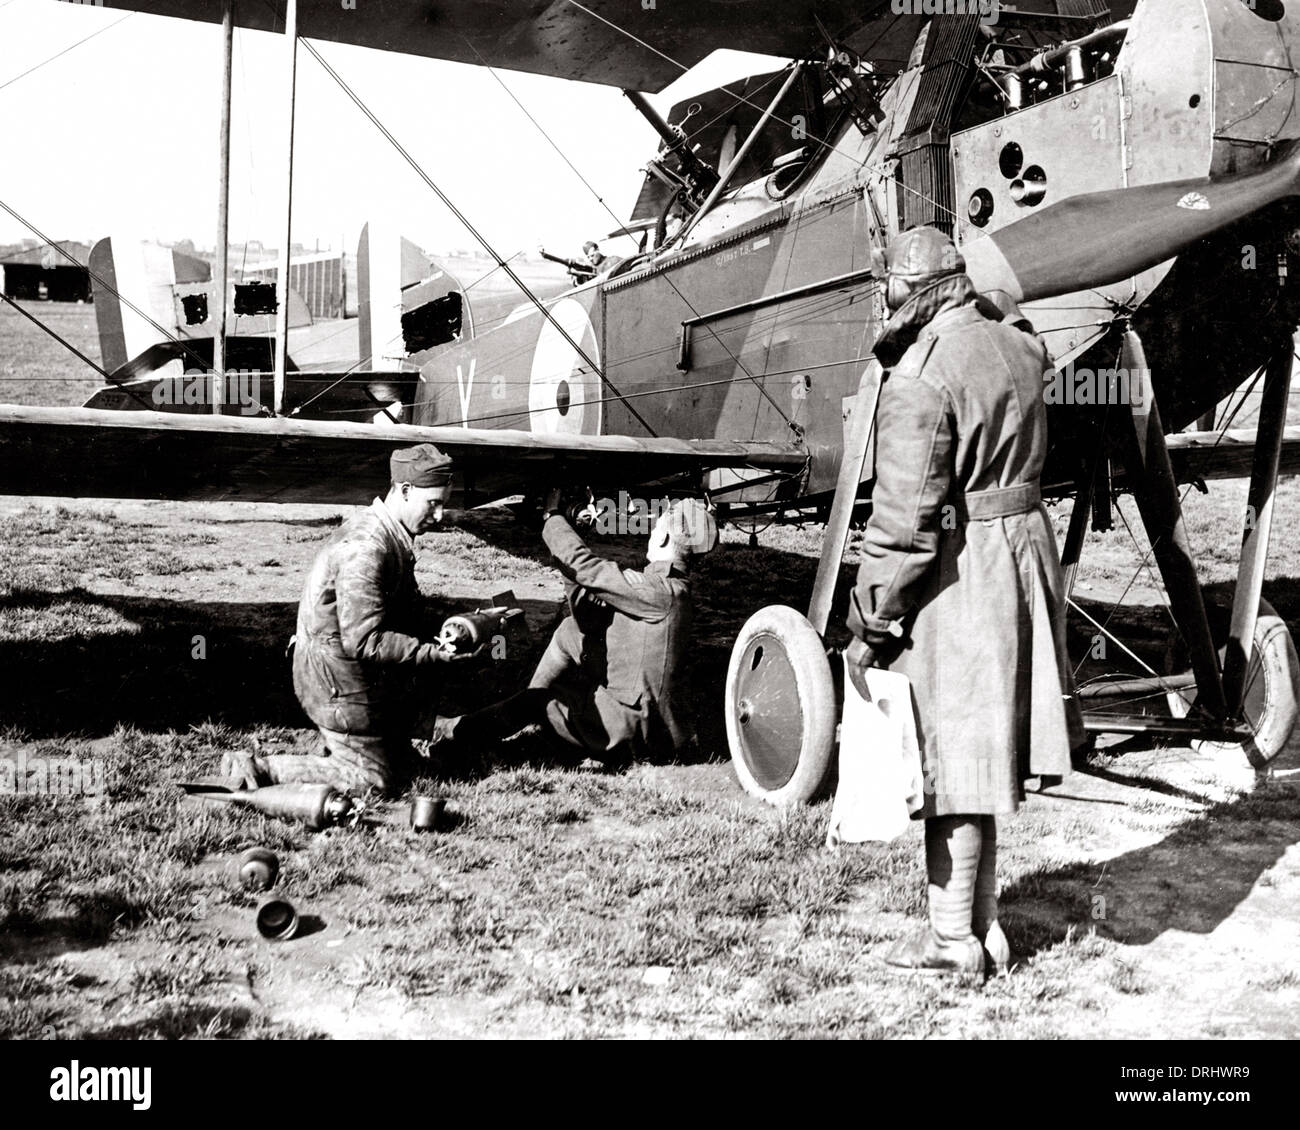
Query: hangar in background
(320, 278)
(44, 273)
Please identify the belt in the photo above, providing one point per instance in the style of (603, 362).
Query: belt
(1000, 502)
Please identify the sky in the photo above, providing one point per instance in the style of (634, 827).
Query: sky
(120, 134)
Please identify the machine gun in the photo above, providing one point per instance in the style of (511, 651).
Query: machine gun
(696, 177)
(579, 271)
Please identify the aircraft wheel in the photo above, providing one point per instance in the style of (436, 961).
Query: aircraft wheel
(781, 707)
(1272, 693)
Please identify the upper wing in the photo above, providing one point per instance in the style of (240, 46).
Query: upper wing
(87, 452)
(619, 42)
(634, 44)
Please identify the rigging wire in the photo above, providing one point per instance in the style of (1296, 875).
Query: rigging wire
(601, 201)
(672, 349)
(166, 334)
(370, 356)
(1112, 637)
(521, 411)
(59, 55)
(740, 99)
(73, 349)
(1222, 430)
(469, 226)
(878, 169)
(501, 264)
(1144, 562)
(736, 100)
(348, 372)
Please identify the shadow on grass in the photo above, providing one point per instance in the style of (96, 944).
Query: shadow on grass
(90, 923)
(201, 1021)
(1145, 782)
(173, 1022)
(93, 662)
(1192, 880)
(168, 665)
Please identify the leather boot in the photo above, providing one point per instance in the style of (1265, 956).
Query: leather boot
(952, 853)
(493, 723)
(244, 770)
(984, 917)
(443, 731)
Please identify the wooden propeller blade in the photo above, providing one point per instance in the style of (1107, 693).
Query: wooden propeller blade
(1103, 237)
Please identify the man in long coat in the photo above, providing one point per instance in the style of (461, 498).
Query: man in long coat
(960, 586)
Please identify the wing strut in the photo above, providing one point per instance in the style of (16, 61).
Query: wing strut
(503, 264)
(725, 175)
(853, 462)
(1146, 461)
(1257, 527)
(282, 281)
(223, 208)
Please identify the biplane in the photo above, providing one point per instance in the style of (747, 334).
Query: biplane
(1126, 174)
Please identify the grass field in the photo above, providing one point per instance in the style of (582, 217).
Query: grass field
(34, 368)
(1155, 894)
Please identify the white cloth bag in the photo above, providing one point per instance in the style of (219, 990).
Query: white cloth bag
(881, 782)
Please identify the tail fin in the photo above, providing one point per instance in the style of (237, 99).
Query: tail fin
(147, 295)
(146, 275)
(395, 278)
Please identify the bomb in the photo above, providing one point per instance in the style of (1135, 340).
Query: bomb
(469, 631)
(317, 806)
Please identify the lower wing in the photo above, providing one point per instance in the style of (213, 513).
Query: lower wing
(87, 452)
(1226, 455)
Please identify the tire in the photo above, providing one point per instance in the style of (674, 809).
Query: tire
(1272, 693)
(781, 707)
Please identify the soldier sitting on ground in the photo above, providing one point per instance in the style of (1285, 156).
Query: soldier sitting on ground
(608, 684)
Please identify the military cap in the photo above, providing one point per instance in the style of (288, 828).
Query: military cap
(920, 253)
(692, 525)
(421, 466)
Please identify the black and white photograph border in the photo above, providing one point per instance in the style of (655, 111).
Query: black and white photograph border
(648, 519)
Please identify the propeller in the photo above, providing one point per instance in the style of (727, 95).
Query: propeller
(1103, 237)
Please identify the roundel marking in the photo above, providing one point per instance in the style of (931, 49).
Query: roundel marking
(563, 392)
